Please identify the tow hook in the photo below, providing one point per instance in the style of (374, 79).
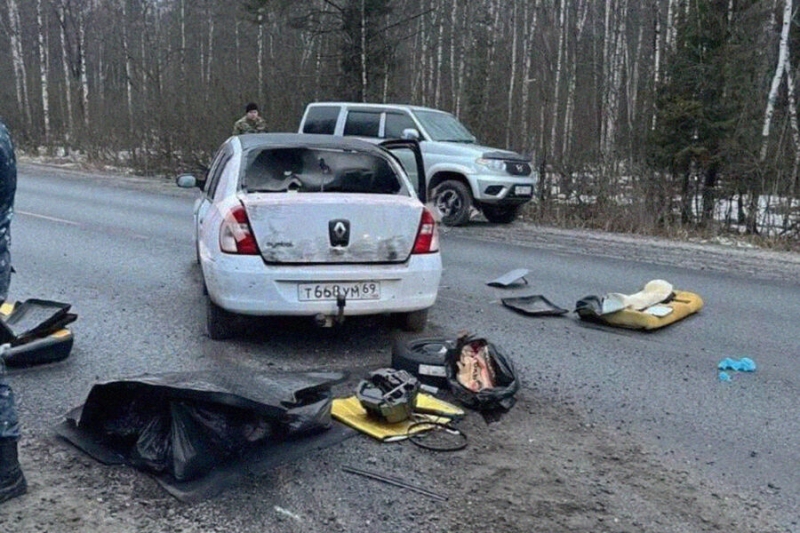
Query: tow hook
(327, 321)
(340, 303)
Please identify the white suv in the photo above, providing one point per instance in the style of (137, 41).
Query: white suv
(460, 173)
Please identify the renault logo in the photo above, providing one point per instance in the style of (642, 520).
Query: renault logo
(339, 231)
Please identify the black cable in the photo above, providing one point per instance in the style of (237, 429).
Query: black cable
(417, 437)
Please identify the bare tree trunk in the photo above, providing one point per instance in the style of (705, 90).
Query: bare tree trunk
(364, 80)
(238, 53)
(44, 70)
(210, 48)
(580, 24)
(530, 20)
(259, 83)
(437, 98)
(454, 87)
(562, 44)
(656, 62)
(82, 68)
(466, 35)
(128, 67)
(494, 13)
(632, 87)
(513, 77)
(783, 61)
(69, 132)
(18, 61)
(423, 62)
(183, 42)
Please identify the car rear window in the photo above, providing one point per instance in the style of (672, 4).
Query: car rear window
(321, 119)
(318, 170)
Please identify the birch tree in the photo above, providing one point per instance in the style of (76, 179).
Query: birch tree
(44, 77)
(17, 58)
(780, 71)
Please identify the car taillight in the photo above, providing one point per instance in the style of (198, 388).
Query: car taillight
(235, 235)
(428, 235)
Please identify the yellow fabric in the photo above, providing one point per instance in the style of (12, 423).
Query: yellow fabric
(349, 411)
(684, 304)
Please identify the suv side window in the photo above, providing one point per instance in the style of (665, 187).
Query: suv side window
(396, 123)
(363, 123)
(222, 158)
(321, 119)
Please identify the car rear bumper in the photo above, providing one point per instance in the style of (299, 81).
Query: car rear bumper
(246, 285)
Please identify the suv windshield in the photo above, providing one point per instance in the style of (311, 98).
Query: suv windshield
(444, 127)
(318, 170)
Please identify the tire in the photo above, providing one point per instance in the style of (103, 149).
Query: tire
(423, 358)
(220, 323)
(453, 200)
(501, 214)
(415, 321)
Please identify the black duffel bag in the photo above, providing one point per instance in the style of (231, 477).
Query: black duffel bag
(481, 376)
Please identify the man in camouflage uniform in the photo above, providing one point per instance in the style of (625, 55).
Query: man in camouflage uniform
(12, 482)
(251, 122)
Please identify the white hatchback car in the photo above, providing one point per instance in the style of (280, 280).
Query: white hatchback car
(318, 226)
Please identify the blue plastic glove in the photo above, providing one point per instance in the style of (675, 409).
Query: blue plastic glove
(745, 364)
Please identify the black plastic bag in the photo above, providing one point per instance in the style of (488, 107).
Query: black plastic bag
(499, 397)
(153, 447)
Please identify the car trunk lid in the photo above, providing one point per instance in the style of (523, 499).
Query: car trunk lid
(332, 228)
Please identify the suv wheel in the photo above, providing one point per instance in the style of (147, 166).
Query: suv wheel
(219, 322)
(501, 214)
(453, 200)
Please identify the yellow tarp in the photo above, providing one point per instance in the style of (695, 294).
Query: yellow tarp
(683, 304)
(349, 411)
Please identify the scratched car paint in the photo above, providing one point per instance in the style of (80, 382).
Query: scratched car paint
(307, 225)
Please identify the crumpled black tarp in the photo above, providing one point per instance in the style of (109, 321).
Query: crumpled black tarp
(183, 426)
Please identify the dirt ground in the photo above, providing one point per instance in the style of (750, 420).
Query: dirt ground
(540, 468)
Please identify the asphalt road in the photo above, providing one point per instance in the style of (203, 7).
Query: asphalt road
(120, 251)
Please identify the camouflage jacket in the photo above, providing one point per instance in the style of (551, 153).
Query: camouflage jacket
(245, 125)
(8, 188)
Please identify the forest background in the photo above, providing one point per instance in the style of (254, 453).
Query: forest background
(676, 117)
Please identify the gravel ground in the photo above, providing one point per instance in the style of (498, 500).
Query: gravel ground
(541, 468)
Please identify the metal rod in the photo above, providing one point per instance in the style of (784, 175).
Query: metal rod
(394, 481)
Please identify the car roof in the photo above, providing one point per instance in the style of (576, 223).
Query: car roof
(365, 105)
(252, 141)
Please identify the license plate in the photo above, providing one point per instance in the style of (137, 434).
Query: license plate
(362, 290)
(523, 190)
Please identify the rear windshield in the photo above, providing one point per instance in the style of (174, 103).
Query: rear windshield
(319, 170)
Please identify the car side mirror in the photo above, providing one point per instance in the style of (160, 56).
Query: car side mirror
(410, 134)
(187, 181)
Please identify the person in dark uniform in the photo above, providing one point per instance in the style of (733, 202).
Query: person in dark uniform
(12, 481)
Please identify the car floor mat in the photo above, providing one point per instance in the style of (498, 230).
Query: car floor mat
(533, 305)
(33, 318)
(515, 277)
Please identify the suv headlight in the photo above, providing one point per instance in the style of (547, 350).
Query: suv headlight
(492, 164)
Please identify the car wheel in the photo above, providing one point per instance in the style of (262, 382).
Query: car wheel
(423, 358)
(453, 201)
(500, 214)
(415, 321)
(220, 323)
